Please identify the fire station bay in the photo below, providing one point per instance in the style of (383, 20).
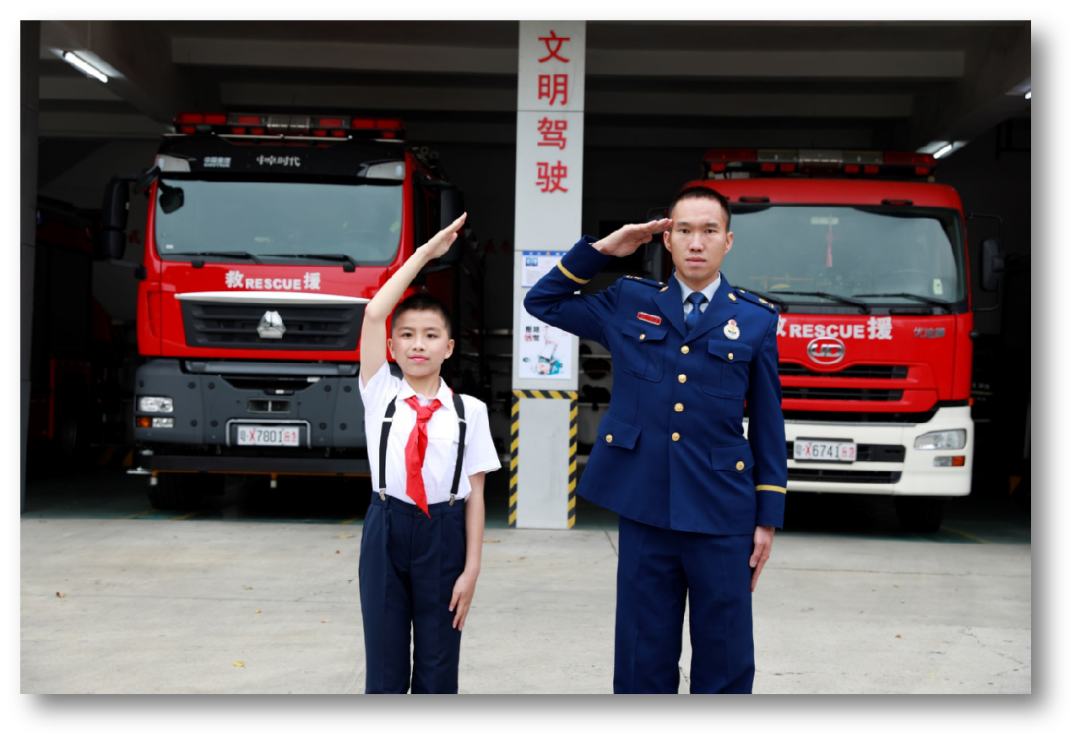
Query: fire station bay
(205, 220)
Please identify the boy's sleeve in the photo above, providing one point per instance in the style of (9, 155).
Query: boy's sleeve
(480, 454)
(380, 388)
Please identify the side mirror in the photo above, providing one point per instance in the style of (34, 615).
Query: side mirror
(451, 205)
(112, 238)
(992, 265)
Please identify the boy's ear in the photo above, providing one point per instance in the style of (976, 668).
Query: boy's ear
(390, 348)
(449, 348)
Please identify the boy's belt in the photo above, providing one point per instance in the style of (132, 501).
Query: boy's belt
(388, 419)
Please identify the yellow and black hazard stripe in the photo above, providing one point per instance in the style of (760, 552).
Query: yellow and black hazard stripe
(515, 434)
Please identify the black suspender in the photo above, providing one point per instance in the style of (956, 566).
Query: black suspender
(459, 407)
(384, 438)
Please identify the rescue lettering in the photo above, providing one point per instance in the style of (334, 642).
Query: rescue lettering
(875, 328)
(279, 284)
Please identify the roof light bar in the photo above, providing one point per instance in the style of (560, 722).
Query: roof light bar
(288, 125)
(943, 151)
(78, 62)
(743, 162)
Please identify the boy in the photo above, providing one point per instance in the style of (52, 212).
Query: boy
(420, 548)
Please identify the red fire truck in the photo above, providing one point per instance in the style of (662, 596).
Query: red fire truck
(266, 235)
(866, 259)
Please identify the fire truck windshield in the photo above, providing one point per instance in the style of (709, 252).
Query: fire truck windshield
(911, 254)
(266, 219)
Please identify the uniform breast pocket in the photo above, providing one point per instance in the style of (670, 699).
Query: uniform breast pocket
(727, 369)
(642, 350)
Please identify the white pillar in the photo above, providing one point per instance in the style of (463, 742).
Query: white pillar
(547, 222)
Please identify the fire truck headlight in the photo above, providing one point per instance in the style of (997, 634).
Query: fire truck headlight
(155, 405)
(956, 439)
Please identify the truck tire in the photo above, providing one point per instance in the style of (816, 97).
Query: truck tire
(920, 513)
(182, 491)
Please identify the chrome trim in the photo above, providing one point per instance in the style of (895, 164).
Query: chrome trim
(270, 297)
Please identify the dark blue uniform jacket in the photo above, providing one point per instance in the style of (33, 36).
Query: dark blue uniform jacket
(670, 452)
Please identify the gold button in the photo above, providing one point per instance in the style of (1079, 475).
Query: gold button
(678, 407)
(674, 437)
(641, 337)
(739, 466)
(731, 355)
(732, 297)
(685, 349)
(608, 438)
(682, 379)
(762, 301)
(742, 291)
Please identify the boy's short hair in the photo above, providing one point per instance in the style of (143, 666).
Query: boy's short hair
(422, 302)
(701, 192)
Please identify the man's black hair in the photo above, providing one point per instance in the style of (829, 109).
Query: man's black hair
(701, 192)
(423, 302)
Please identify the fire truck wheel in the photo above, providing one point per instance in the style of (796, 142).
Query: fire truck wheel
(178, 491)
(920, 513)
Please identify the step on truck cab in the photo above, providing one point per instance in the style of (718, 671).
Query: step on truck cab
(866, 260)
(266, 235)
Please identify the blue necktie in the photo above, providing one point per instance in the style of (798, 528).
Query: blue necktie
(696, 298)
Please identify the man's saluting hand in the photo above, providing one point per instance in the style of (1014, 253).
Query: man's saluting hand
(628, 238)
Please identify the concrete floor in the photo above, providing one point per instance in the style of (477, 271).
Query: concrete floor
(158, 602)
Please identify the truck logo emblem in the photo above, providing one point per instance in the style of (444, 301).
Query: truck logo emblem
(826, 350)
(271, 326)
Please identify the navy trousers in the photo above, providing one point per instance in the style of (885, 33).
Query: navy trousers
(408, 566)
(657, 569)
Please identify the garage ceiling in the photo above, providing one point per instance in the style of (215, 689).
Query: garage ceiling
(887, 85)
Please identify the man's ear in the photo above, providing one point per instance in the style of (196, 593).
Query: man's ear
(730, 242)
(667, 240)
(449, 348)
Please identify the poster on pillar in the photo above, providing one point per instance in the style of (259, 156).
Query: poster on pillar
(546, 351)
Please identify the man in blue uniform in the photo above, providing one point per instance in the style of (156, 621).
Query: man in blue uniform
(698, 502)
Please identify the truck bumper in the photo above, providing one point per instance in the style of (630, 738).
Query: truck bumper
(210, 398)
(889, 463)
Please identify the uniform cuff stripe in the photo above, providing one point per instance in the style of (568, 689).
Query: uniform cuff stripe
(569, 275)
(777, 488)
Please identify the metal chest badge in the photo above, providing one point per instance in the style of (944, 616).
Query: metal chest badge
(731, 330)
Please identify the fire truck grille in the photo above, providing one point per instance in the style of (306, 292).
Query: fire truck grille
(307, 328)
(867, 452)
(825, 476)
(841, 393)
(860, 371)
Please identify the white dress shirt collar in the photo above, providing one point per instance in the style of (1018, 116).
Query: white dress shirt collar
(709, 291)
(444, 395)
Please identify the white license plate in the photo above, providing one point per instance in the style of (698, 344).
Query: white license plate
(268, 435)
(825, 451)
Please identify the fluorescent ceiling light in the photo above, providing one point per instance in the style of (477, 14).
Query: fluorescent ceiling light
(943, 152)
(75, 61)
(1027, 95)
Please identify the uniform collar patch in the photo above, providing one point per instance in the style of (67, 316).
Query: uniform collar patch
(653, 319)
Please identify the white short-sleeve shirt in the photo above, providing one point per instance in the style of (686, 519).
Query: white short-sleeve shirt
(441, 456)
